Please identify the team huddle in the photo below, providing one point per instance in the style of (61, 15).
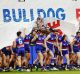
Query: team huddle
(50, 47)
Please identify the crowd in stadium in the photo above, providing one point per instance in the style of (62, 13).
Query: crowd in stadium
(50, 47)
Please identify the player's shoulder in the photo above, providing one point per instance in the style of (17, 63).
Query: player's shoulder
(75, 38)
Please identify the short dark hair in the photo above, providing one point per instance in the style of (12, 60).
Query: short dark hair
(52, 30)
(63, 37)
(18, 33)
(77, 33)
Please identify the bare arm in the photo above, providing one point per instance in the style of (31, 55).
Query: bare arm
(72, 43)
(60, 47)
(24, 32)
(45, 41)
(14, 44)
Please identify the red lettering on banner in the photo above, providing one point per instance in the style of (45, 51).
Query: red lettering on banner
(54, 24)
(78, 14)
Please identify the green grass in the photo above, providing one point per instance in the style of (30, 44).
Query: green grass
(39, 72)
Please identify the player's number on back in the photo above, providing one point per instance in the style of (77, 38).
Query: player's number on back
(20, 41)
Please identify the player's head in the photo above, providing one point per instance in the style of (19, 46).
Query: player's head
(78, 34)
(39, 19)
(19, 34)
(42, 32)
(34, 32)
(42, 27)
(47, 30)
(64, 37)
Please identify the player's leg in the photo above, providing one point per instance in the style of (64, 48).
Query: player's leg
(7, 62)
(35, 61)
(13, 58)
(51, 52)
(78, 61)
(27, 55)
(77, 52)
(66, 54)
(40, 56)
(19, 59)
(68, 61)
(48, 60)
(12, 61)
(44, 57)
(59, 62)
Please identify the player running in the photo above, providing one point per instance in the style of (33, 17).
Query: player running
(27, 50)
(64, 49)
(40, 47)
(19, 43)
(50, 41)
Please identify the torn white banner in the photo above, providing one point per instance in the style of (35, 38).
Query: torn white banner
(8, 33)
(67, 28)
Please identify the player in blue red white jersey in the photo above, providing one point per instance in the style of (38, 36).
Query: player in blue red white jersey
(19, 43)
(76, 47)
(58, 41)
(57, 54)
(40, 48)
(27, 49)
(64, 49)
(50, 41)
(43, 36)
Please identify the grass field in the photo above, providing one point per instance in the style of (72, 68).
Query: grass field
(39, 72)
